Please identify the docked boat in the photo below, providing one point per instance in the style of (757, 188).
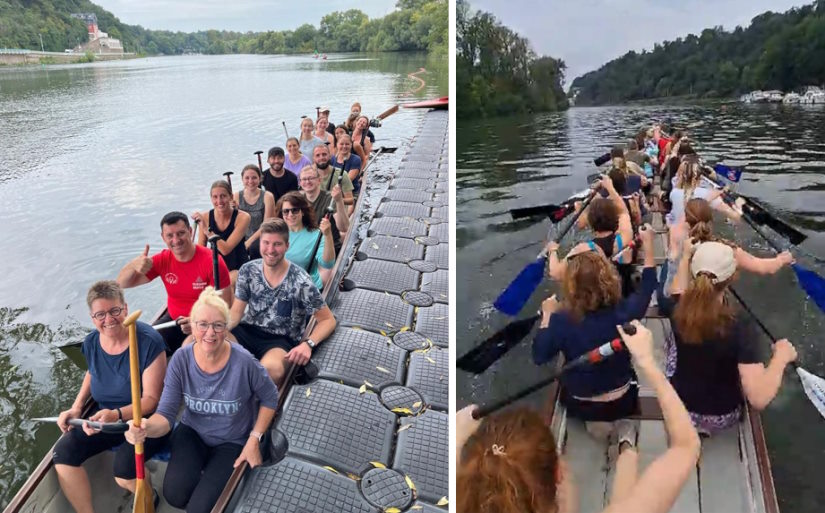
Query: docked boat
(791, 98)
(436, 103)
(364, 426)
(733, 474)
(813, 95)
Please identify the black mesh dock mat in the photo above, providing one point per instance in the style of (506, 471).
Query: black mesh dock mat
(368, 432)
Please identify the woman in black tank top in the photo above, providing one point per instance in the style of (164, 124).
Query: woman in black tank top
(227, 222)
(612, 230)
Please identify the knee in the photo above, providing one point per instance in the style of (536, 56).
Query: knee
(276, 369)
(126, 484)
(175, 496)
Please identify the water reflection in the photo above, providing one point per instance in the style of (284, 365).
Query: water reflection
(508, 163)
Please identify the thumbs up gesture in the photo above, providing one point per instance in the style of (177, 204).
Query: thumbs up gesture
(143, 262)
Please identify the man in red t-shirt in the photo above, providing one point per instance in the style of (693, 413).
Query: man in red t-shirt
(185, 268)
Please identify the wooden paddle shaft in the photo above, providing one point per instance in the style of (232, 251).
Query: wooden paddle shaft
(134, 369)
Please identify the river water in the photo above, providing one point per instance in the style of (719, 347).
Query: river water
(92, 156)
(541, 159)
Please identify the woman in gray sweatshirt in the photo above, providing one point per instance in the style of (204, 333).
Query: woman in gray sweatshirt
(229, 401)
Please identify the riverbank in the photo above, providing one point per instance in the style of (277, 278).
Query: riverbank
(34, 58)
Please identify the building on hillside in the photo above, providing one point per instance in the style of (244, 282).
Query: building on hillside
(99, 42)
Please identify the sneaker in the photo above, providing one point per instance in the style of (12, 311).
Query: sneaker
(627, 432)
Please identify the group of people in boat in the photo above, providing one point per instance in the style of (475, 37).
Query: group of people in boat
(508, 462)
(235, 333)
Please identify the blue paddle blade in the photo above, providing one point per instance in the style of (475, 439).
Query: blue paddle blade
(812, 284)
(515, 296)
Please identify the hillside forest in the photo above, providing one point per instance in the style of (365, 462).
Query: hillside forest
(415, 25)
(784, 51)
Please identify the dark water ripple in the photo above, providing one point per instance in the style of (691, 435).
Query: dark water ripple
(503, 164)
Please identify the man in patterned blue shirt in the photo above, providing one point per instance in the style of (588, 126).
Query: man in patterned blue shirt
(274, 300)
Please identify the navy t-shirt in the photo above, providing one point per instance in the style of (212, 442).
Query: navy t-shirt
(563, 334)
(111, 382)
(353, 162)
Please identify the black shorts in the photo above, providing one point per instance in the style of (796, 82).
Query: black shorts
(595, 411)
(258, 341)
(75, 447)
(173, 336)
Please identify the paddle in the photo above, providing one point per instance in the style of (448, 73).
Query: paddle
(813, 385)
(213, 240)
(516, 294)
(260, 162)
(811, 283)
(143, 492)
(759, 214)
(376, 121)
(329, 211)
(479, 359)
(591, 357)
(285, 132)
(104, 427)
(555, 212)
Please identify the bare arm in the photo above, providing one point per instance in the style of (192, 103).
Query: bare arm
(151, 387)
(758, 265)
(241, 223)
(236, 313)
(324, 325)
(76, 409)
(660, 483)
(134, 272)
(760, 383)
(682, 278)
(341, 218)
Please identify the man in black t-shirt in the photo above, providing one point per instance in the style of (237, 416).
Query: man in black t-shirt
(321, 199)
(277, 180)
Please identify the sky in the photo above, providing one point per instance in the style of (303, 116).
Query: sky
(588, 33)
(237, 15)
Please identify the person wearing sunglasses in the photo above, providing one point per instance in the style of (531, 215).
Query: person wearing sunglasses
(592, 308)
(305, 231)
(107, 382)
(228, 403)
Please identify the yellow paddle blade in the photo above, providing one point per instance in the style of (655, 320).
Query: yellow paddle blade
(144, 498)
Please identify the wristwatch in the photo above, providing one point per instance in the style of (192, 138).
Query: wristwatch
(310, 343)
(257, 435)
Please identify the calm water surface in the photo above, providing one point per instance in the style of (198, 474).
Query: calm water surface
(509, 163)
(92, 156)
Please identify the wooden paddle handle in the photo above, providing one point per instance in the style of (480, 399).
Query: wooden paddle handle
(129, 321)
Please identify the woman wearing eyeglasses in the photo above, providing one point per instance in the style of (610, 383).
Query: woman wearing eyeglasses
(304, 233)
(107, 383)
(228, 402)
(593, 306)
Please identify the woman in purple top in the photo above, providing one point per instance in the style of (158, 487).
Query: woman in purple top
(295, 160)
(220, 386)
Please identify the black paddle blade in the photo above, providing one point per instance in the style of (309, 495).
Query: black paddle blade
(481, 357)
(555, 212)
(762, 216)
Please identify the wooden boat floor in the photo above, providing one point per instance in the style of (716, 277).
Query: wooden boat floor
(721, 482)
(106, 495)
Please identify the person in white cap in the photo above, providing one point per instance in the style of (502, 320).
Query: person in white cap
(714, 361)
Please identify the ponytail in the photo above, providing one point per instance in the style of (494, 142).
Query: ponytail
(699, 316)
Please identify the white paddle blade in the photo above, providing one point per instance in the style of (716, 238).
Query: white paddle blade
(814, 387)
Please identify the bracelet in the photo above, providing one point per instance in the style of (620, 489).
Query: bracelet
(119, 415)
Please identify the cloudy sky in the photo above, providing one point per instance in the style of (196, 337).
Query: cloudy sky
(588, 33)
(240, 15)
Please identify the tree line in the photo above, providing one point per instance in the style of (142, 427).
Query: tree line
(784, 51)
(415, 25)
(498, 74)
